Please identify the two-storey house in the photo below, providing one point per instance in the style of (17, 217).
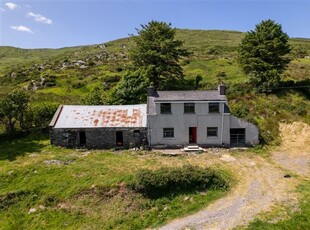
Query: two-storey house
(180, 118)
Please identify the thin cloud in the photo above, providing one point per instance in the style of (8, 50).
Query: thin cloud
(40, 18)
(1, 9)
(22, 29)
(11, 6)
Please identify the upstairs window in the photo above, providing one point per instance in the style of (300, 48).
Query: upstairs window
(168, 132)
(189, 107)
(214, 107)
(226, 108)
(165, 108)
(212, 132)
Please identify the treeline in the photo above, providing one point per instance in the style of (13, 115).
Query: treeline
(18, 113)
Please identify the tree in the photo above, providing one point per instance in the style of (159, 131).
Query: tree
(262, 54)
(95, 97)
(13, 109)
(130, 90)
(157, 53)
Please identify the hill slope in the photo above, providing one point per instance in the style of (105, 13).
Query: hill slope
(76, 70)
(66, 75)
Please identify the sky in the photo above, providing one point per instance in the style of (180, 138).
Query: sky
(63, 23)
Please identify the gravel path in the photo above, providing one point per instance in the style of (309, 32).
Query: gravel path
(261, 185)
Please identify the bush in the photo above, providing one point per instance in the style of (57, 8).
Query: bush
(50, 80)
(130, 90)
(39, 116)
(240, 110)
(111, 78)
(170, 181)
(78, 85)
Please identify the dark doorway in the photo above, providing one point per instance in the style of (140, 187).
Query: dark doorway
(119, 138)
(82, 136)
(193, 135)
(237, 137)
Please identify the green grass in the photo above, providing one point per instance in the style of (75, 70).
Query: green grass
(297, 220)
(87, 190)
(213, 51)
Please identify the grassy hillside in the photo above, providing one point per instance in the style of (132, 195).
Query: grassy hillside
(76, 70)
(70, 73)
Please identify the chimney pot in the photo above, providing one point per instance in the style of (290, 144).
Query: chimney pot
(222, 89)
(150, 91)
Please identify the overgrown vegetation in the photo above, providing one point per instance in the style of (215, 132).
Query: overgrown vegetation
(170, 181)
(42, 186)
(267, 110)
(16, 111)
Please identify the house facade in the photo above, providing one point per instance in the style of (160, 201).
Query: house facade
(180, 118)
(169, 119)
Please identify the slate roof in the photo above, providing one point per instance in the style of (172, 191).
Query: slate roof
(85, 116)
(170, 96)
(207, 95)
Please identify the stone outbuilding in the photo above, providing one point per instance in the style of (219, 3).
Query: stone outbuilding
(104, 126)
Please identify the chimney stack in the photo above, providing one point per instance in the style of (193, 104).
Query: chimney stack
(222, 89)
(150, 91)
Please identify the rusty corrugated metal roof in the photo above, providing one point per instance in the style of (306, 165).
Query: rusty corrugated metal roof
(85, 116)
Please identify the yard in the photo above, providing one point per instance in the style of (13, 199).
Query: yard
(47, 187)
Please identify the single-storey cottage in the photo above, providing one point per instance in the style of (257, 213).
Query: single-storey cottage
(169, 119)
(101, 126)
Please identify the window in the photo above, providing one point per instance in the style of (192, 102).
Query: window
(168, 132)
(214, 107)
(165, 108)
(226, 108)
(212, 132)
(189, 107)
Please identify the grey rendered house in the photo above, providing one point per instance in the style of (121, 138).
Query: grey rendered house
(180, 118)
(169, 119)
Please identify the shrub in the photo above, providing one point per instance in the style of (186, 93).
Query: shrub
(111, 78)
(170, 181)
(78, 85)
(119, 69)
(240, 110)
(50, 80)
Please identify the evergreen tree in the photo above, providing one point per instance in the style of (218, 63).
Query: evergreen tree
(262, 54)
(157, 53)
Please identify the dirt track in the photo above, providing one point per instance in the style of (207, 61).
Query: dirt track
(261, 185)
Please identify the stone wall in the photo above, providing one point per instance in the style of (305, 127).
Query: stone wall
(99, 138)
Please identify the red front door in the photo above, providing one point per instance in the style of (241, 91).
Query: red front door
(193, 135)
